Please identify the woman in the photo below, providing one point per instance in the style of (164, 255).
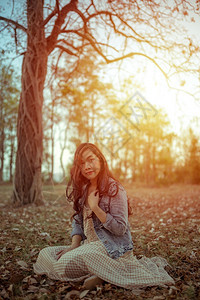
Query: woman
(102, 247)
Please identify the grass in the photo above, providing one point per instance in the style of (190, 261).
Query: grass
(165, 222)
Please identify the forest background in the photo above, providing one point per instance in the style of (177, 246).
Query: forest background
(142, 110)
(126, 76)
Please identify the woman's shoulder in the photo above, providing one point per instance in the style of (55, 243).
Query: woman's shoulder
(114, 186)
(113, 181)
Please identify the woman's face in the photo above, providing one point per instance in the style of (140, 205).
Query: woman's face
(90, 165)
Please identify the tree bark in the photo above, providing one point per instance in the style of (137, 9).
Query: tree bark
(12, 151)
(62, 153)
(2, 139)
(147, 160)
(52, 134)
(11, 160)
(27, 181)
(2, 134)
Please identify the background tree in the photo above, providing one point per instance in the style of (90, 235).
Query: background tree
(81, 102)
(192, 161)
(148, 156)
(52, 117)
(9, 97)
(113, 29)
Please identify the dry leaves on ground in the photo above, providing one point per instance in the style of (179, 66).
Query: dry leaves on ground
(165, 221)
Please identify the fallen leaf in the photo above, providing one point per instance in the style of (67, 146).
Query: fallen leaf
(22, 264)
(33, 252)
(4, 294)
(32, 288)
(45, 234)
(172, 290)
(72, 293)
(10, 289)
(43, 281)
(108, 287)
(26, 278)
(63, 288)
(33, 280)
(5, 273)
(43, 290)
(83, 293)
(17, 248)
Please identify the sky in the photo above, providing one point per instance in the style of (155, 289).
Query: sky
(180, 106)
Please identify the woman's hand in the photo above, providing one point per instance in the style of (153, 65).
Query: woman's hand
(76, 240)
(61, 252)
(93, 200)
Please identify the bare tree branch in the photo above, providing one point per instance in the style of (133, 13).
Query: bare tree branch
(53, 13)
(57, 6)
(50, 16)
(91, 39)
(64, 49)
(52, 39)
(78, 48)
(94, 44)
(131, 54)
(67, 44)
(6, 26)
(17, 25)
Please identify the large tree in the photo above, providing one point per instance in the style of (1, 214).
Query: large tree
(115, 29)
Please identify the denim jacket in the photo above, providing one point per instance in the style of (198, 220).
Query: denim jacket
(115, 232)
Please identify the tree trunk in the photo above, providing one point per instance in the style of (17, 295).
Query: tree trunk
(133, 168)
(154, 162)
(126, 163)
(27, 181)
(52, 134)
(2, 138)
(11, 160)
(12, 148)
(147, 160)
(62, 153)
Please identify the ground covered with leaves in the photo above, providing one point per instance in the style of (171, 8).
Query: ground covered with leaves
(165, 222)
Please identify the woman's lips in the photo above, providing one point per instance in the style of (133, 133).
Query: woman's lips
(88, 173)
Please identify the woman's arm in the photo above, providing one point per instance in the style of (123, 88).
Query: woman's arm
(117, 219)
(77, 226)
(101, 215)
(77, 235)
(76, 240)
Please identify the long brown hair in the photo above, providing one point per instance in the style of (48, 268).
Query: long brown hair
(75, 186)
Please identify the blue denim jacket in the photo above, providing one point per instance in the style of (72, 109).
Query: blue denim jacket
(115, 232)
